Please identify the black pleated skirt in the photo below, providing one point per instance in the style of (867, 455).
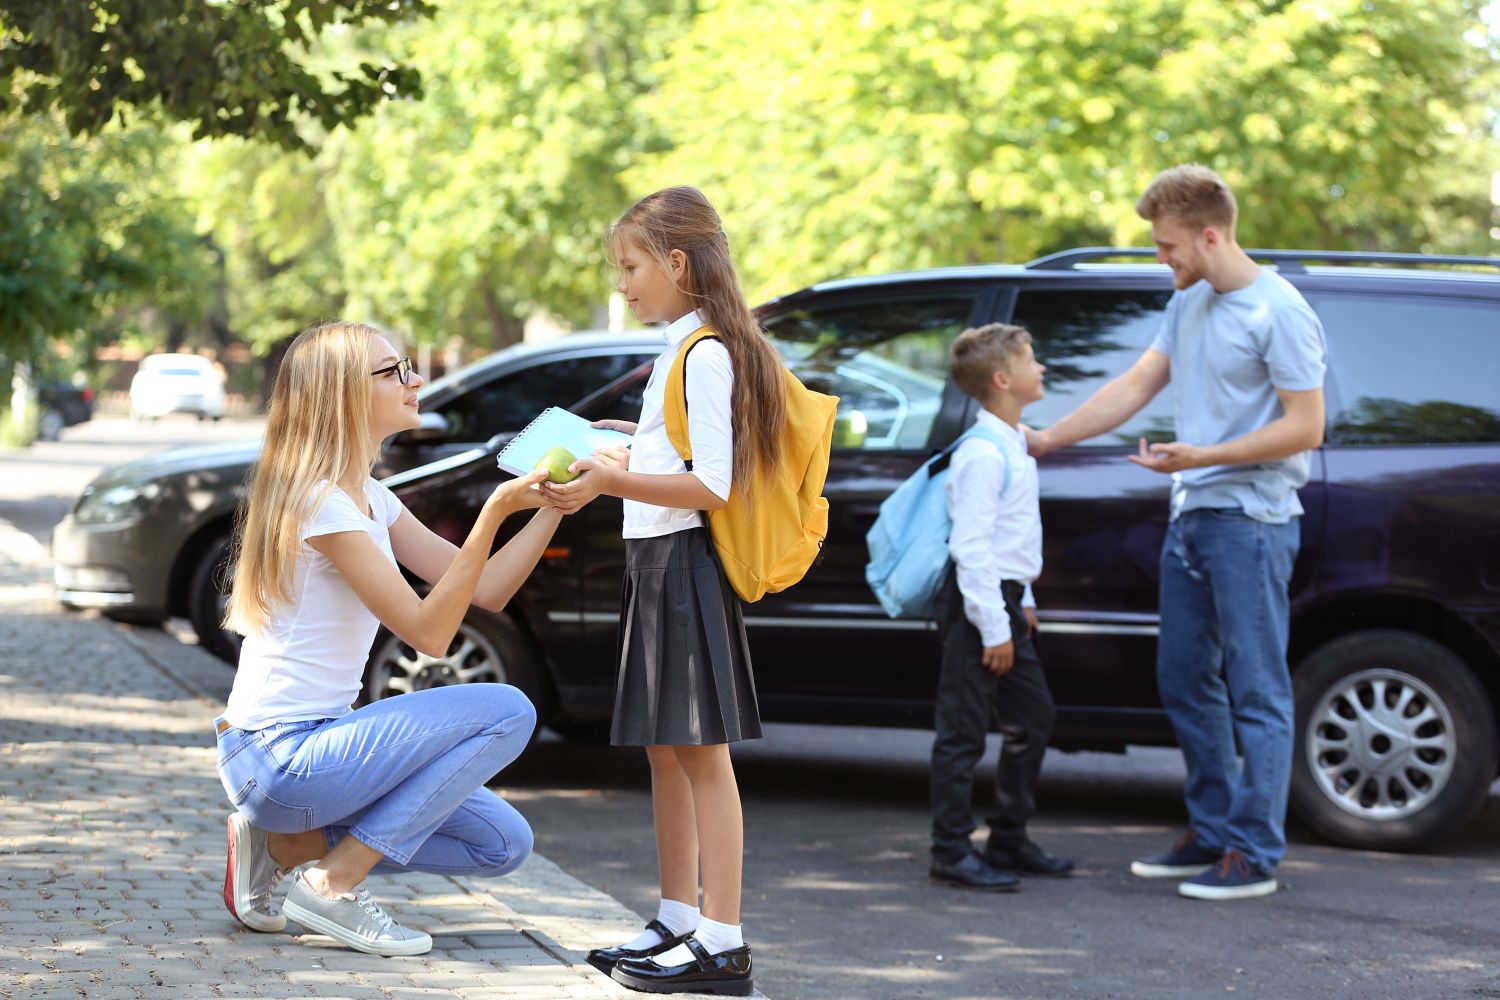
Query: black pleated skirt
(685, 676)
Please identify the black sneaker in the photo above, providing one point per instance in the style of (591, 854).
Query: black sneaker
(1028, 859)
(972, 872)
(1232, 878)
(1188, 857)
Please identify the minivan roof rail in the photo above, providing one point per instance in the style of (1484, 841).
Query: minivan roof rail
(1286, 260)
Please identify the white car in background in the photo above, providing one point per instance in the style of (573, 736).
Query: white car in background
(177, 383)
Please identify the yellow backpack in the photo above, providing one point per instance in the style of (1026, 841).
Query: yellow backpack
(773, 549)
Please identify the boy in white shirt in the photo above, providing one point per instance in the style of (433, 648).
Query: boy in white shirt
(987, 618)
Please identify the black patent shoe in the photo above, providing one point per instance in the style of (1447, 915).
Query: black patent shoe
(604, 959)
(1028, 859)
(972, 872)
(725, 974)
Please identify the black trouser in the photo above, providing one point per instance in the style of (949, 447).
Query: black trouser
(968, 697)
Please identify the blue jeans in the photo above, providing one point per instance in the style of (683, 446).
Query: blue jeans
(404, 776)
(1222, 673)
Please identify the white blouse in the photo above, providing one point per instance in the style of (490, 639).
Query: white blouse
(710, 382)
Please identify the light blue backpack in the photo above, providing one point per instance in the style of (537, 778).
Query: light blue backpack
(909, 540)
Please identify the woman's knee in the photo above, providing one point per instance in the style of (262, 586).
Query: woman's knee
(510, 712)
(508, 851)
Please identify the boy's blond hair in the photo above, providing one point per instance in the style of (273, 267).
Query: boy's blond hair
(1191, 193)
(980, 352)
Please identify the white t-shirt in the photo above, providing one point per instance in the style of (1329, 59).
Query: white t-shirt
(307, 660)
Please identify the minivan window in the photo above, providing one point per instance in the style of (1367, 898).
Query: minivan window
(1412, 370)
(887, 361)
(508, 403)
(1086, 337)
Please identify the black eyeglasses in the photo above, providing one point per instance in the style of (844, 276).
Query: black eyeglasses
(402, 368)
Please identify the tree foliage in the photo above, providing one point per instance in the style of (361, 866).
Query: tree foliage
(860, 135)
(488, 200)
(89, 228)
(238, 68)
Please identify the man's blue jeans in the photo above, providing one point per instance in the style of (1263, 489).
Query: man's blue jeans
(1222, 672)
(403, 775)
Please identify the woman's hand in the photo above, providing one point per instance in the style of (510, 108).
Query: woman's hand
(593, 479)
(519, 494)
(623, 426)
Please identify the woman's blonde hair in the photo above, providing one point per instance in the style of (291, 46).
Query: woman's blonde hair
(318, 427)
(681, 218)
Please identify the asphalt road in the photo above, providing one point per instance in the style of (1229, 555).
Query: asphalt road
(837, 903)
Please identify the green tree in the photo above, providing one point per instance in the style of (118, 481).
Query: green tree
(89, 231)
(265, 209)
(462, 214)
(857, 135)
(243, 68)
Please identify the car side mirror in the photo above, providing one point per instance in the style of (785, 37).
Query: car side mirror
(431, 428)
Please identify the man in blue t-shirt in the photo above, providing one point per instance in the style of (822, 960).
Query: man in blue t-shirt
(1245, 355)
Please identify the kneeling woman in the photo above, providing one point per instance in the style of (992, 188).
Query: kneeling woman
(397, 785)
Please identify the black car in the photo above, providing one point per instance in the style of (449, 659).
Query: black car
(61, 405)
(1395, 640)
(1396, 594)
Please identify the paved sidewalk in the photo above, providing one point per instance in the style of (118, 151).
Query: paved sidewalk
(112, 843)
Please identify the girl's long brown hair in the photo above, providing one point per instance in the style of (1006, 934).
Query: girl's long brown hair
(681, 218)
(318, 428)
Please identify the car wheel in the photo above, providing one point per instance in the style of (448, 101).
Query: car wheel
(1396, 741)
(208, 594)
(50, 426)
(488, 648)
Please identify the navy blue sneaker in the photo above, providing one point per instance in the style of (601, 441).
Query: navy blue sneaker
(1188, 857)
(1232, 878)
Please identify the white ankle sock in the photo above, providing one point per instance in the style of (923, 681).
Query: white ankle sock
(715, 938)
(680, 918)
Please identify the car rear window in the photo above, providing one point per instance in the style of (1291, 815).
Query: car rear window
(1412, 369)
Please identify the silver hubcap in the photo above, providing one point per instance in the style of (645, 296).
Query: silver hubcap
(1381, 744)
(398, 669)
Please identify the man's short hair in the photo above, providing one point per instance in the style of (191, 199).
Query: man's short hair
(1192, 193)
(980, 352)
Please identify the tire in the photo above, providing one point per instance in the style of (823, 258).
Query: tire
(207, 593)
(49, 426)
(488, 647)
(1396, 741)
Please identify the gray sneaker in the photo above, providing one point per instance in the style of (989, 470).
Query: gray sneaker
(353, 919)
(251, 877)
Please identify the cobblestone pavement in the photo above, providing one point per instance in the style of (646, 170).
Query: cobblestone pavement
(112, 843)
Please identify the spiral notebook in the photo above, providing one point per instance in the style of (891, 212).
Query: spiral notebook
(556, 426)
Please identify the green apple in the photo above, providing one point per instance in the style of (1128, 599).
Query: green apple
(556, 463)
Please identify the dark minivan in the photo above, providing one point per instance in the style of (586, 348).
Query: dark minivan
(1396, 594)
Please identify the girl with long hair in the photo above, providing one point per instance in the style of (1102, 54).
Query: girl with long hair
(685, 689)
(397, 785)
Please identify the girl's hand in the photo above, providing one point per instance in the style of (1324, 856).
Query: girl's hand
(615, 458)
(623, 426)
(518, 494)
(593, 479)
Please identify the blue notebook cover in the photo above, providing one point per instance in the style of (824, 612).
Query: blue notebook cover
(556, 426)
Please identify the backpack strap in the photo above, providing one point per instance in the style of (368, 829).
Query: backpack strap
(945, 457)
(675, 402)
